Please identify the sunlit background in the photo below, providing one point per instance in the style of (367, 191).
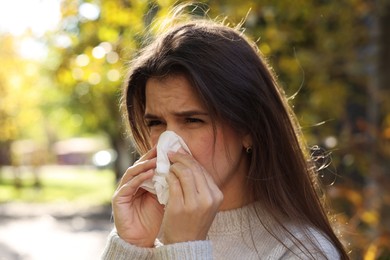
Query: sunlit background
(63, 144)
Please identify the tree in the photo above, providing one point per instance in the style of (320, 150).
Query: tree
(20, 86)
(91, 65)
(321, 52)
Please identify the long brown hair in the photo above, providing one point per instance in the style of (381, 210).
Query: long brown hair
(238, 87)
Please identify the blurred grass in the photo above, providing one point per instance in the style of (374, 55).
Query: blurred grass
(87, 186)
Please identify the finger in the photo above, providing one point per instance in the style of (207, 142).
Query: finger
(187, 182)
(190, 161)
(205, 183)
(213, 187)
(127, 192)
(136, 169)
(175, 192)
(184, 158)
(197, 169)
(131, 171)
(182, 151)
(148, 155)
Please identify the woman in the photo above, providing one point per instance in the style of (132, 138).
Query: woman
(248, 189)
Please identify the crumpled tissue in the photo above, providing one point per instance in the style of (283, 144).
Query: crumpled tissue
(168, 141)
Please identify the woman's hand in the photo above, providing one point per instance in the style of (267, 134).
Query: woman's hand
(137, 213)
(193, 202)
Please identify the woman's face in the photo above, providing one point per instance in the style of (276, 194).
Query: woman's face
(172, 104)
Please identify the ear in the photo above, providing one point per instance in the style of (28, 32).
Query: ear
(247, 141)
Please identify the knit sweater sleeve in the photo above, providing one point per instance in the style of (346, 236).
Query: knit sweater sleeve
(186, 250)
(118, 249)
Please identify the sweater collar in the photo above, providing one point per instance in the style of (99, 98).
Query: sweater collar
(239, 219)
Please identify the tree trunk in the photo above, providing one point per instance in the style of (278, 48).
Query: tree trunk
(377, 187)
(383, 69)
(126, 156)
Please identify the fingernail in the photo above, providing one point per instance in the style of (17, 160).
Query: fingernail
(181, 150)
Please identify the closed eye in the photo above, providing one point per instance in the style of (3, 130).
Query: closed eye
(193, 120)
(151, 123)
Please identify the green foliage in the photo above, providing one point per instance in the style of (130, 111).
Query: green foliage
(83, 186)
(322, 52)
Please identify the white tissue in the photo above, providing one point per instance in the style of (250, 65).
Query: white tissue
(168, 141)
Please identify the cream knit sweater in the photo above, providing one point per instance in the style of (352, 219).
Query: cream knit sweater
(234, 234)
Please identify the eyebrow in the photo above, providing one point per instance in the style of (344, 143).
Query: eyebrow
(179, 114)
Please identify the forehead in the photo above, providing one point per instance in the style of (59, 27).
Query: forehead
(173, 91)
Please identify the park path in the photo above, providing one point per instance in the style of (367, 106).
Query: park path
(53, 231)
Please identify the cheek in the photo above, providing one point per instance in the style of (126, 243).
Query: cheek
(154, 135)
(227, 156)
(202, 150)
(153, 139)
(212, 158)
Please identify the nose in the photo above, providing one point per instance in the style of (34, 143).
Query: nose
(155, 134)
(177, 128)
(167, 126)
(173, 128)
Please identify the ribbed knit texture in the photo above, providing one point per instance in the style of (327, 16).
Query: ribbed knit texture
(186, 251)
(119, 249)
(234, 234)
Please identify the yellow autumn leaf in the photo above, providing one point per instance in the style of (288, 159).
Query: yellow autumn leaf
(370, 217)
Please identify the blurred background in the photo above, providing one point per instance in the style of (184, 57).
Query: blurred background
(63, 144)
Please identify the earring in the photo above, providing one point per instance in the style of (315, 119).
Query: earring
(248, 150)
